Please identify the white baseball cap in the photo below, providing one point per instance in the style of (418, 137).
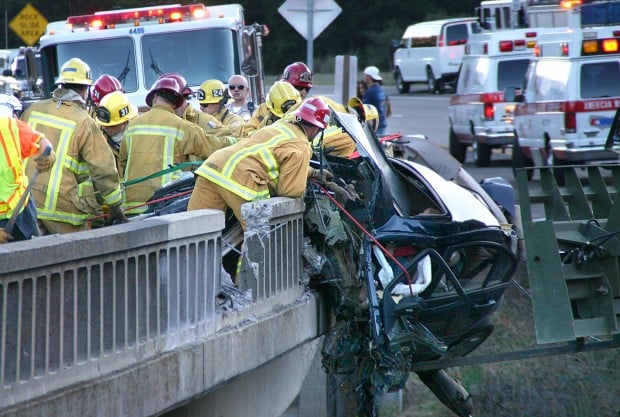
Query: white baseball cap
(373, 72)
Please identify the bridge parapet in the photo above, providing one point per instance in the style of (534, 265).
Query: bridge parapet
(81, 307)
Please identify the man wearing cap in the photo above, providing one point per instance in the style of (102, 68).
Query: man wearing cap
(376, 96)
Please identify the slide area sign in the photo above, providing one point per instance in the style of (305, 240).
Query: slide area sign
(29, 24)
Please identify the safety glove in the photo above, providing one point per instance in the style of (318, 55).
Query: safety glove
(116, 216)
(45, 161)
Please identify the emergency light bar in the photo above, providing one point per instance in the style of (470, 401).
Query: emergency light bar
(600, 46)
(137, 16)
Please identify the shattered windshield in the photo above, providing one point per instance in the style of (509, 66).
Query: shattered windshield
(113, 56)
(198, 55)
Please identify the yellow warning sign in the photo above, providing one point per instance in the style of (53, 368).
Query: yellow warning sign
(29, 24)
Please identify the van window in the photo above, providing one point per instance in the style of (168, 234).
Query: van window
(511, 73)
(600, 79)
(549, 81)
(473, 75)
(456, 34)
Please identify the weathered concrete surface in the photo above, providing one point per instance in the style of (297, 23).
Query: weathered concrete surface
(174, 378)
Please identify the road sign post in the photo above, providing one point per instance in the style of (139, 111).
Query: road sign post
(29, 24)
(309, 18)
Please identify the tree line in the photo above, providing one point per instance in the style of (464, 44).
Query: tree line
(364, 28)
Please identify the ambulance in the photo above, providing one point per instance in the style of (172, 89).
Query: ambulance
(569, 98)
(571, 91)
(479, 116)
(138, 45)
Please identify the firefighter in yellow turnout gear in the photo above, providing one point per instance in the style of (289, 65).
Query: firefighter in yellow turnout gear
(157, 140)
(272, 162)
(84, 174)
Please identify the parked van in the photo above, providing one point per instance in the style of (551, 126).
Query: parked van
(431, 52)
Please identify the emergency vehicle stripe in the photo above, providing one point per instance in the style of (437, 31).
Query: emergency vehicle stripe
(11, 155)
(66, 128)
(580, 106)
(495, 97)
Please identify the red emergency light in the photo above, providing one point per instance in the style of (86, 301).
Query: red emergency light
(159, 14)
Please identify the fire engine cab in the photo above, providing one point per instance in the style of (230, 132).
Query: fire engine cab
(571, 91)
(479, 116)
(139, 45)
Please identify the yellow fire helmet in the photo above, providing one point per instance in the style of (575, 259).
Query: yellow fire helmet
(75, 71)
(115, 109)
(282, 98)
(211, 91)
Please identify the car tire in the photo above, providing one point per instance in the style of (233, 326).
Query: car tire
(401, 86)
(431, 81)
(519, 160)
(482, 154)
(458, 150)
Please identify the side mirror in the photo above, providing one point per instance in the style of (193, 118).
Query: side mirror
(31, 68)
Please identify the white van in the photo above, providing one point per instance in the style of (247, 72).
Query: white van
(478, 112)
(431, 52)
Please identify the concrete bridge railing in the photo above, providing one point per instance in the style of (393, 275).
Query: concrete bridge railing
(75, 308)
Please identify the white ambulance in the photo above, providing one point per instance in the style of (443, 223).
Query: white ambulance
(139, 45)
(569, 98)
(479, 116)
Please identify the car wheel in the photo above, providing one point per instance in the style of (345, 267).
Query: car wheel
(458, 150)
(519, 160)
(431, 82)
(482, 154)
(401, 86)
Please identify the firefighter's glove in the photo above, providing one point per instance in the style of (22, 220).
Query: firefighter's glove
(45, 162)
(342, 194)
(323, 175)
(4, 236)
(116, 216)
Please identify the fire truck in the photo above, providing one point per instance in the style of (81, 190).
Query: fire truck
(570, 96)
(479, 116)
(139, 45)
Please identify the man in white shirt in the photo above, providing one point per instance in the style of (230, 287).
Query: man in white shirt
(238, 90)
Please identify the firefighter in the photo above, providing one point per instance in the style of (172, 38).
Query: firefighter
(212, 98)
(281, 99)
(272, 162)
(224, 135)
(84, 176)
(19, 142)
(300, 76)
(103, 86)
(113, 114)
(366, 113)
(156, 141)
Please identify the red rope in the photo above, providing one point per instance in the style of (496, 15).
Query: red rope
(366, 232)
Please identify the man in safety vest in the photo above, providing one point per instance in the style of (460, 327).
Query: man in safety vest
(156, 141)
(84, 176)
(19, 141)
(274, 161)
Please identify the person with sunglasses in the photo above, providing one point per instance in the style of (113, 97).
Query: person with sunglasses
(300, 76)
(238, 91)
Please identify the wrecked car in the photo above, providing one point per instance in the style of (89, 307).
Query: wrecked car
(414, 255)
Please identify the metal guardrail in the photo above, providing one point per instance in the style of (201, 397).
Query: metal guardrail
(76, 307)
(573, 250)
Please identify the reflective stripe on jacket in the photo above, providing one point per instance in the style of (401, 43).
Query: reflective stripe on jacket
(272, 162)
(82, 156)
(18, 142)
(153, 142)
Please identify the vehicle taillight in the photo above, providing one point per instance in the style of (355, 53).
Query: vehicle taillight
(505, 46)
(489, 111)
(570, 122)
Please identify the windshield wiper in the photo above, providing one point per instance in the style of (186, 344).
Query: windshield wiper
(126, 70)
(154, 65)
